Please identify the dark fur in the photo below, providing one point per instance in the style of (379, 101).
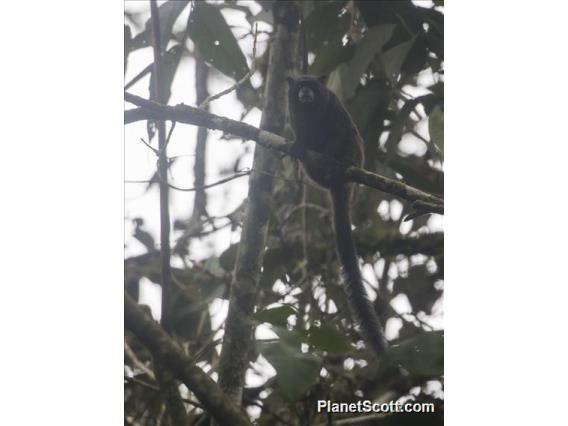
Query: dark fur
(322, 124)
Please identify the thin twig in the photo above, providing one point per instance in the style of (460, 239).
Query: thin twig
(138, 77)
(211, 185)
(157, 389)
(419, 136)
(239, 83)
(423, 323)
(141, 181)
(304, 205)
(154, 150)
(235, 176)
(136, 361)
(195, 188)
(202, 234)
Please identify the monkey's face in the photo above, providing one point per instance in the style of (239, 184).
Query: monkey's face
(307, 92)
(306, 95)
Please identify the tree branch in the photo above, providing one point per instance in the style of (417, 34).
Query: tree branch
(427, 244)
(200, 200)
(195, 116)
(155, 388)
(173, 357)
(129, 352)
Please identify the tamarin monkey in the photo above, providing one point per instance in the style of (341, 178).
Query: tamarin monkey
(322, 124)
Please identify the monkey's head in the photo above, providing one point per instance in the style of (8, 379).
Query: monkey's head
(307, 92)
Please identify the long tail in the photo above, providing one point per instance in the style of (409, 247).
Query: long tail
(361, 306)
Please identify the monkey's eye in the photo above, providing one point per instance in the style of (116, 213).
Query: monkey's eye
(306, 95)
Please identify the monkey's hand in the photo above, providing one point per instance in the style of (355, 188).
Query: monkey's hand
(327, 172)
(298, 150)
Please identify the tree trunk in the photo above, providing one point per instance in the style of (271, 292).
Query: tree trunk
(244, 287)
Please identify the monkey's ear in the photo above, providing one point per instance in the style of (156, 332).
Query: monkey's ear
(322, 78)
(290, 80)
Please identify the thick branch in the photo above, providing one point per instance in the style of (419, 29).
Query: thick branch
(415, 171)
(172, 356)
(190, 115)
(428, 244)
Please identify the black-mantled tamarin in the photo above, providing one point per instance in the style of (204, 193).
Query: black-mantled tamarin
(322, 124)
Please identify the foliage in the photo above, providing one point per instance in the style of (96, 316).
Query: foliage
(384, 60)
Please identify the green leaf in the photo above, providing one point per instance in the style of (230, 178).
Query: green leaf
(170, 63)
(262, 16)
(215, 41)
(369, 100)
(395, 57)
(419, 286)
(307, 7)
(326, 23)
(436, 128)
(276, 316)
(399, 125)
(229, 257)
(291, 338)
(168, 13)
(336, 81)
(296, 371)
(277, 262)
(349, 77)
(142, 235)
(326, 338)
(422, 356)
(329, 56)
(213, 266)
